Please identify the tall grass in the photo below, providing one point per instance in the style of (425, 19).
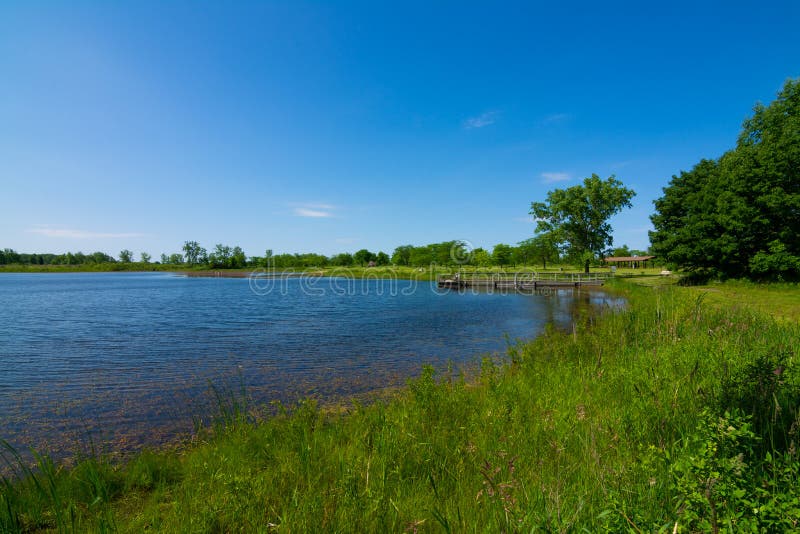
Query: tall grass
(672, 415)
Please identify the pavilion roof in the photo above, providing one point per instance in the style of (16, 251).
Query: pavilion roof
(628, 258)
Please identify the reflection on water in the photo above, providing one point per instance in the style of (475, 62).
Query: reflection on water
(127, 358)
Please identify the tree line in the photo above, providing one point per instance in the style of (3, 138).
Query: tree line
(538, 250)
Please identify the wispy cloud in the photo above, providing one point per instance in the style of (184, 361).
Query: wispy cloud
(555, 118)
(305, 212)
(313, 209)
(553, 177)
(527, 219)
(484, 119)
(69, 233)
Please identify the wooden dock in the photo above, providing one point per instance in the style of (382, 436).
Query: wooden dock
(524, 281)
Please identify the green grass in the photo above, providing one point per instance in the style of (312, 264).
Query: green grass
(675, 411)
(782, 301)
(778, 300)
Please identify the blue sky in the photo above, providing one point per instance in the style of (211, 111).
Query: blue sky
(329, 127)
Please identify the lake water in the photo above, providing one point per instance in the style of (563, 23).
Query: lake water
(127, 359)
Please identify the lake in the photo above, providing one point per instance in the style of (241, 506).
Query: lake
(128, 359)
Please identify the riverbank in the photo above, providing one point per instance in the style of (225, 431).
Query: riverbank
(642, 419)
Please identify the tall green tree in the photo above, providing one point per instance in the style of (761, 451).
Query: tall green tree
(238, 258)
(577, 217)
(481, 257)
(402, 255)
(194, 253)
(125, 256)
(502, 254)
(9, 256)
(421, 256)
(363, 257)
(739, 216)
(540, 248)
(145, 257)
(220, 257)
(343, 259)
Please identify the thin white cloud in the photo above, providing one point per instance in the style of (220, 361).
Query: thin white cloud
(555, 118)
(313, 205)
(553, 177)
(305, 212)
(528, 219)
(484, 119)
(68, 233)
(314, 210)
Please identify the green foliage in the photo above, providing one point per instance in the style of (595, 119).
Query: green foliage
(402, 255)
(194, 253)
(765, 391)
(541, 248)
(344, 259)
(125, 256)
(448, 253)
(502, 254)
(8, 255)
(720, 482)
(225, 257)
(363, 257)
(445, 253)
(290, 261)
(776, 262)
(577, 217)
(481, 258)
(624, 251)
(739, 216)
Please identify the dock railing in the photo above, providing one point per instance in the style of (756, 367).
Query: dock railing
(494, 278)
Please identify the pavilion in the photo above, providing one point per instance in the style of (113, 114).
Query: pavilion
(634, 262)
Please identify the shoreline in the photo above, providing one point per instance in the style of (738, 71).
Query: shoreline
(437, 445)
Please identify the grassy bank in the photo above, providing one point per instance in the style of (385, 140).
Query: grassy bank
(676, 411)
(782, 301)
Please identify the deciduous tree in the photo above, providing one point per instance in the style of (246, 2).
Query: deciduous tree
(501, 254)
(577, 217)
(194, 253)
(363, 257)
